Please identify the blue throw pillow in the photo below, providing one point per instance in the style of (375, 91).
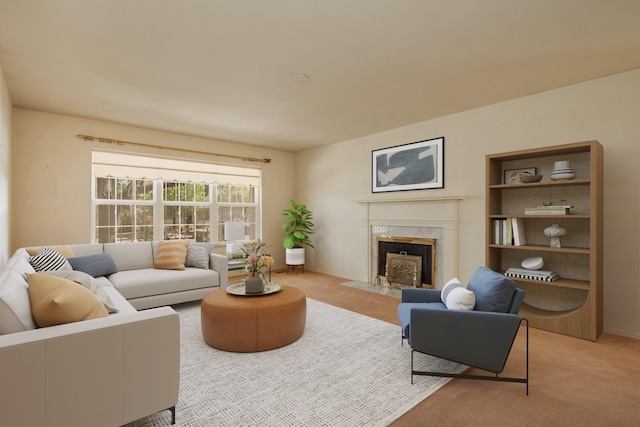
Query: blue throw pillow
(94, 265)
(493, 291)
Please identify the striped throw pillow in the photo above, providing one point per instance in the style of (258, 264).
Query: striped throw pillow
(171, 254)
(49, 260)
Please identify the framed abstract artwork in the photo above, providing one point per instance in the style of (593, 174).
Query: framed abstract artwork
(415, 166)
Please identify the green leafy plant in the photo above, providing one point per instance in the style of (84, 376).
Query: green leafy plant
(297, 225)
(560, 202)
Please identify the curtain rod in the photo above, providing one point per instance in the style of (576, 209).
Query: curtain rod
(140, 144)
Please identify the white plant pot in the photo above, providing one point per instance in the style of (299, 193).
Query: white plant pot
(295, 256)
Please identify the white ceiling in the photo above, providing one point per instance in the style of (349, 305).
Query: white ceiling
(224, 69)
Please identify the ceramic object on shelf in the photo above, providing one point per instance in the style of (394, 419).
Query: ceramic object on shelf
(562, 170)
(562, 164)
(555, 231)
(530, 178)
(533, 263)
(561, 176)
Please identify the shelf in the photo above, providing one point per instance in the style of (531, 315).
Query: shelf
(501, 216)
(582, 251)
(578, 298)
(542, 184)
(561, 283)
(544, 314)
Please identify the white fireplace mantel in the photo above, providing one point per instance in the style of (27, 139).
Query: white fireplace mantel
(414, 217)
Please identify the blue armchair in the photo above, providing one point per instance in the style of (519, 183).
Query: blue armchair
(481, 335)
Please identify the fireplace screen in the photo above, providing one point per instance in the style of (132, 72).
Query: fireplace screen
(400, 257)
(404, 270)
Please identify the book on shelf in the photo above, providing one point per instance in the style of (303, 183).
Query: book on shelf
(497, 232)
(519, 238)
(503, 232)
(523, 273)
(547, 210)
(555, 207)
(508, 240)
(529, 271)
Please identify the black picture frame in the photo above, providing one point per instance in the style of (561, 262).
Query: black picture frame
(414, 166)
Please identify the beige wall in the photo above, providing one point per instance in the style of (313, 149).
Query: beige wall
(5, 169)
(52, 175)
(51, 178)
(607, 110)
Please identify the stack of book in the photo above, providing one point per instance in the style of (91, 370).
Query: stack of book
(548, 210)
(509, 231)
(523, 273)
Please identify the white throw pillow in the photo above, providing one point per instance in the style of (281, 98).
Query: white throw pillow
(453, 283)
(460, 298)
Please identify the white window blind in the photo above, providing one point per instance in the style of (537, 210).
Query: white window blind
(121, 165)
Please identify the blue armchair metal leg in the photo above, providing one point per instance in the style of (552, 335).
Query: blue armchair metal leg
(524, 380)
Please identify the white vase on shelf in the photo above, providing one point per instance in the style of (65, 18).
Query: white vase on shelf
(555, 231)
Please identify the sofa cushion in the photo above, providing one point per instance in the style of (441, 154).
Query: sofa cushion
(142, 283)
(55, 301)
(207, 245)
(89, 282)
(19, 261)
(197, 256)
(15, 306)
(64, 250)
(84, 249)
(49, 260)
(130, 255)
(172, 254)
(94, 265)
(493, 291)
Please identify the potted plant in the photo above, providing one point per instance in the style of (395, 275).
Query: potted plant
(297, 226)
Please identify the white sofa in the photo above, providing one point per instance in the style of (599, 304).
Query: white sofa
(101, 372)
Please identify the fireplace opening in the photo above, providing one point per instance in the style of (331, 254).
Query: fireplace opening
(406, 261)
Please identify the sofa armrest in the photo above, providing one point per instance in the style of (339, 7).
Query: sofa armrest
(115, 369)
(220, 263)
(420, 295)
(474, 338)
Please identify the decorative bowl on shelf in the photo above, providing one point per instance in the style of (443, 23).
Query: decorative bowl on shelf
(533, 263)
(530, 178)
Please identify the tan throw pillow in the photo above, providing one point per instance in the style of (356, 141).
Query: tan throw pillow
(171, 254)
(89, 283)
(55, 301)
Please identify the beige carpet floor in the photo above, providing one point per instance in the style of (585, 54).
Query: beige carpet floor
(573, 382)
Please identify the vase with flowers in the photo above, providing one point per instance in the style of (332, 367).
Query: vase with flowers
(255, 261)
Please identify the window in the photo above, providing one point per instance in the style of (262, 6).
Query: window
(124, 210)
(238, 203)
(187, 210)
(143, 198)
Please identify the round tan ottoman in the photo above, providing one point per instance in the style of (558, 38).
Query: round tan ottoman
(253, 323)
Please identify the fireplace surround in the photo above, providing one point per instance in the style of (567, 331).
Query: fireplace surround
(432, 218)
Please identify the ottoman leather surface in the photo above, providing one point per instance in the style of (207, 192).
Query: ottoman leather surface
(253, 323)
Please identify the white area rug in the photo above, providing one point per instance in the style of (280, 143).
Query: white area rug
(346, 370)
